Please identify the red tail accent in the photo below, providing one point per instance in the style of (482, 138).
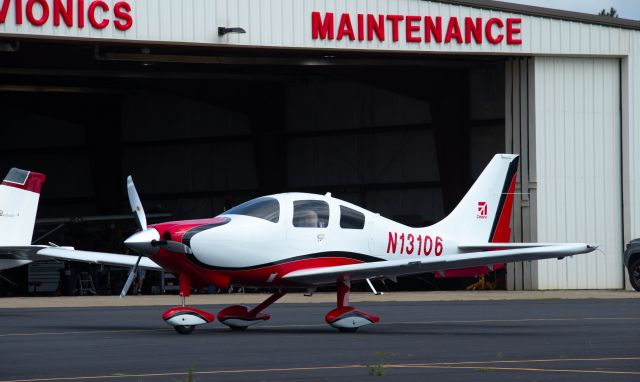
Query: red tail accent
(503, 229)
(33, 182)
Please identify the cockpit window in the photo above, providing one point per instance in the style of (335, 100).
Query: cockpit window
(310, 214)
(264, 208)
(350, 218)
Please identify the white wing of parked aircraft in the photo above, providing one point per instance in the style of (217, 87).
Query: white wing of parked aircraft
(19, 196)
(300, 241)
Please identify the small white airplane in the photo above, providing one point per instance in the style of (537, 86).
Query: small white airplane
(294, 241)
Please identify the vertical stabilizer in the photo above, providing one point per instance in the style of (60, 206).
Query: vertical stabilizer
(484, 214)
(19, 195)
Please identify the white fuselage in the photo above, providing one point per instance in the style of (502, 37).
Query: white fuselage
(248, 242)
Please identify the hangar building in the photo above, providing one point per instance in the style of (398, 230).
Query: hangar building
(395, 105)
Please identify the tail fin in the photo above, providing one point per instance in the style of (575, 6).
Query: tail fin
(19, 195)
(484, 214)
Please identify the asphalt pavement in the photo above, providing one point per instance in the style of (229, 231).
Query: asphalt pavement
(541, 340)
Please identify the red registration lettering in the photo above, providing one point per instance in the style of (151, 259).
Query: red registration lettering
(411, 247)
(428, 245)
(438, 246)
(392, 242)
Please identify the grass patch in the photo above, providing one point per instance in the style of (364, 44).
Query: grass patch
(189, 377)
(376, 370)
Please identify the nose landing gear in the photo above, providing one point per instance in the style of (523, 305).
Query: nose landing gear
(184, 319)
(347, 318)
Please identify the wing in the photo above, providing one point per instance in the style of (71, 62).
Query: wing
(394, 268)
(97, 257)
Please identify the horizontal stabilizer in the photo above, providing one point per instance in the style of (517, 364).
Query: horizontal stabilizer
(394, 268)
(496, 246)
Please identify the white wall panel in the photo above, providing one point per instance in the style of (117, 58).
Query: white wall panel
(578, 161)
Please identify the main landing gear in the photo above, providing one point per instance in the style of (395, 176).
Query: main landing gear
(347, 318)
(184, 319)
(239, 317)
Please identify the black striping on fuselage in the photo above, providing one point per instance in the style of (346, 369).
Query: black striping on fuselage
(186, 238)
(513, 168)
(349, 255)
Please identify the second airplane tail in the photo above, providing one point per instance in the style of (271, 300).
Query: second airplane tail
(484, 214)
(19, 195)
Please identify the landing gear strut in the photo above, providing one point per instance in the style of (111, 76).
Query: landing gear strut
(346, 318)
(239, 317)
(184, 319)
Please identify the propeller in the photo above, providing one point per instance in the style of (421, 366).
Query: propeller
(136, 204)
(141, 219)
(132, 274)
(147, 240)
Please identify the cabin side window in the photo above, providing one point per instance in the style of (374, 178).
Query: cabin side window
(310, 214)
(350, 218)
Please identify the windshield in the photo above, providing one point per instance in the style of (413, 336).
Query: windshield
(264, 208)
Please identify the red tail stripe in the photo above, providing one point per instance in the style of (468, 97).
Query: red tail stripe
(33, 183)
(503, 229)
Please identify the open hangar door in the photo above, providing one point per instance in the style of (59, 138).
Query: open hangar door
(202, 131)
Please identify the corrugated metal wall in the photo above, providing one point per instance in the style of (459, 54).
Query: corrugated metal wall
(520, 139)
(287, 23)
(631, 138)
(578, 161)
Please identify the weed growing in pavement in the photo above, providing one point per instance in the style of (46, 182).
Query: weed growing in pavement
(377, 370)
(189, 377)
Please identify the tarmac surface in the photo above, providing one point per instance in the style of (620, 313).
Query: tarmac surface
(493, 340)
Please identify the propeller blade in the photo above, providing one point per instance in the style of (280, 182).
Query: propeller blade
(132, 274)
(136, 204)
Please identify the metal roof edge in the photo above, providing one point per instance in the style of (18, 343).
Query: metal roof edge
(546, 12)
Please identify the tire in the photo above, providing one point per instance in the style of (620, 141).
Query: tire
(184, 329)
(237, 328)
(348, 330)
(634, 274)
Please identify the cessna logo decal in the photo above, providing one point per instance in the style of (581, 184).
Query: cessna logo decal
(482, 210)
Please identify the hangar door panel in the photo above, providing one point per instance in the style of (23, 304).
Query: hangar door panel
(578, 163)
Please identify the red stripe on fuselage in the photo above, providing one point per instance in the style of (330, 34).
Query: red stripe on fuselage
(177, 263)
(177, 229)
